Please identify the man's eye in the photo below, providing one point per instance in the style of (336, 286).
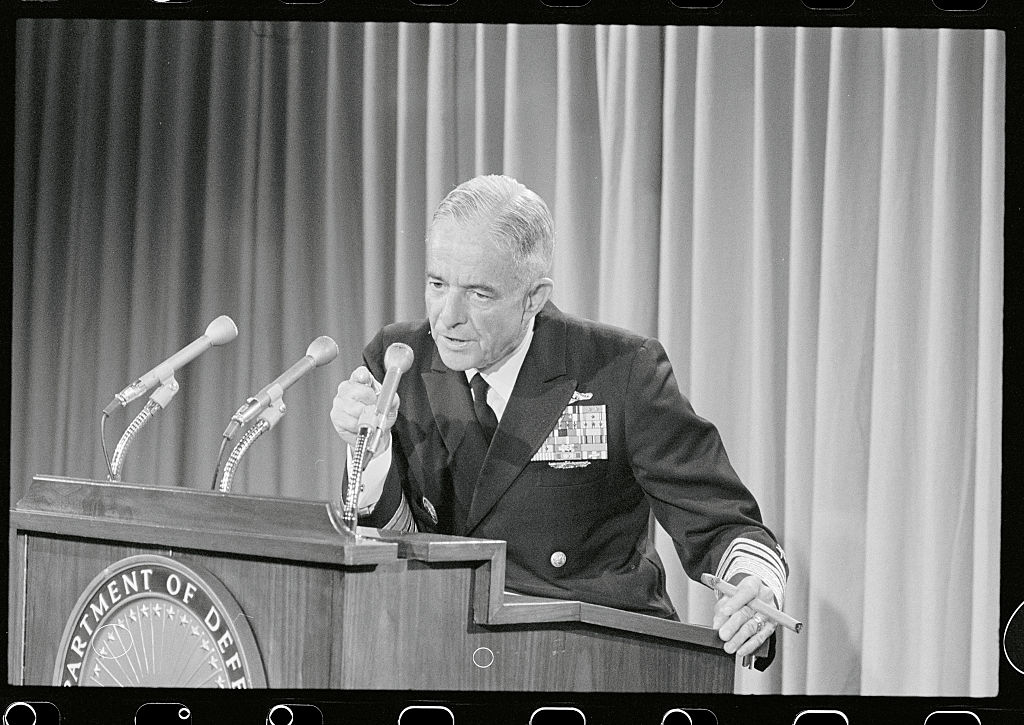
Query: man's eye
(480, 296)
(434, 284)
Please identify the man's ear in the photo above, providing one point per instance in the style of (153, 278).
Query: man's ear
(537, 296)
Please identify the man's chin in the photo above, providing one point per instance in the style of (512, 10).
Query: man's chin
(456, 360)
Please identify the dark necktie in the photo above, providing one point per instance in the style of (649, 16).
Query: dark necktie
(484, 414)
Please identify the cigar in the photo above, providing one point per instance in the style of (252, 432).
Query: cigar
(759, 606)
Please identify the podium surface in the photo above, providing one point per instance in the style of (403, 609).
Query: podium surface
(310, 608)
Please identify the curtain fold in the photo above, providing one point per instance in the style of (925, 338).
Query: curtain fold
(984, 608)
(952, 329)
(577, 170)
(377, 160)
(812, 49)
(675, 249)
(631, 180)
(529, 123)
(897, 403)
(411, 207)
(810, 219)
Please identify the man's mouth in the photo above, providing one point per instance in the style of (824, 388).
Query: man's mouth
(453, 342)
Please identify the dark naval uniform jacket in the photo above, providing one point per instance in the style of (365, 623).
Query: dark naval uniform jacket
(575, 516)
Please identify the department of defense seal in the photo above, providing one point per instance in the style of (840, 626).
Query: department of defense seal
(153, 621)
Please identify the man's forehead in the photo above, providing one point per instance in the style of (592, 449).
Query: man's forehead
(465, 244)
(473, 267)
(468, 261)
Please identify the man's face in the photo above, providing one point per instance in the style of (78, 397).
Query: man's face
(478, 313)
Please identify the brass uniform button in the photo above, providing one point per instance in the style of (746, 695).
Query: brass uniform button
(558, 559)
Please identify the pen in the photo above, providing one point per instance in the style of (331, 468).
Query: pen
(779, 617)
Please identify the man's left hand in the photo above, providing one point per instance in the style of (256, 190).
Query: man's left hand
(741, 628)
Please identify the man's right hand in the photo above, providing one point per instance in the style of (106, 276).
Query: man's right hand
(354, 406)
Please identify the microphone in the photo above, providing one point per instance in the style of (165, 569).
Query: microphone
(320, 352)
(218, 332)
(397, 360)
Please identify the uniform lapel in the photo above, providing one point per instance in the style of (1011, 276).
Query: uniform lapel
(452, 405)
(541, 393)
(452, 409)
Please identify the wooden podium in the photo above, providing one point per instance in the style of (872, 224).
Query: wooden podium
(312, 608)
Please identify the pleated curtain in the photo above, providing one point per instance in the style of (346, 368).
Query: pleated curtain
(811, 220)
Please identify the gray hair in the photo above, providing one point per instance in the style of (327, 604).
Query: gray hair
(516, 218)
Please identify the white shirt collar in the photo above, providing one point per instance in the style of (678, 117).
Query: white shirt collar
(503, 378)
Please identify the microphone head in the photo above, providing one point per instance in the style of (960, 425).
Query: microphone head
(398, 355)
(221, 330)
(322, 350)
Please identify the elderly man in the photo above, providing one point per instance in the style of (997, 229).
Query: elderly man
(555, 434)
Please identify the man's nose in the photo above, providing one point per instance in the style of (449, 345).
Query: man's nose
(453, 309)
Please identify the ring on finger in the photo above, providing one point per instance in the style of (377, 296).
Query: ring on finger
(759, 622)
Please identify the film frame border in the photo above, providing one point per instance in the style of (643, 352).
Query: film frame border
(382, 707)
